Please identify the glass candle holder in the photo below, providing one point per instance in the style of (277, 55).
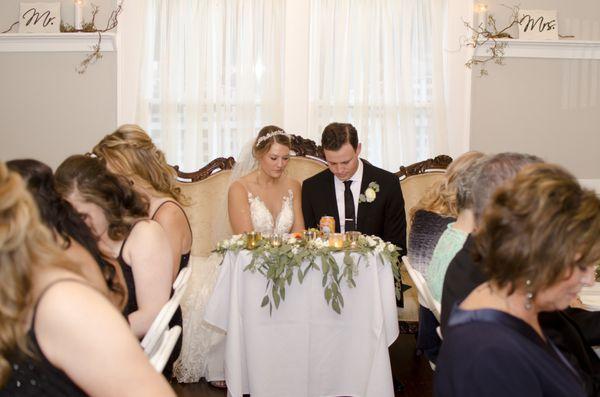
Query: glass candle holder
(352, 238)
(276, 240)
(252, 239)
(310, 235)
(336, 240)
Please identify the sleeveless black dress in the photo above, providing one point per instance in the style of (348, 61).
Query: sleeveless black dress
(131, 305)
(178, 316)
(36, 376)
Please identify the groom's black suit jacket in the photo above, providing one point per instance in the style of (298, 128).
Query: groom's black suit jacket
(384, 217)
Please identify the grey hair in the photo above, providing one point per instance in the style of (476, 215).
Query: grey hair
(465, 181)
(492, 172)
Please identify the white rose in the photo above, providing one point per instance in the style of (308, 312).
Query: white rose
(391, 247)
(370, 195)
(371, 241)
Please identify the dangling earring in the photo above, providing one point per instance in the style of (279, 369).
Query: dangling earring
(528, 295)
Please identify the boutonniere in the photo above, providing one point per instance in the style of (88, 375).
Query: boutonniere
(369, 194)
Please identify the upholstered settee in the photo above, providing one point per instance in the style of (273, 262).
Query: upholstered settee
(206, 190)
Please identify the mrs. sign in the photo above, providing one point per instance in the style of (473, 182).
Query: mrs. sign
(39, 18)
(538, 25)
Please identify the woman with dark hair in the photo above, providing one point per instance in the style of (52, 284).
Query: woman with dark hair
(58, 336)
(117, 216)
(69, 230)
(538, 245)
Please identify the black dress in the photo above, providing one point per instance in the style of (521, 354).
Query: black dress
(491, 353)
(178, 316)
(36, 376)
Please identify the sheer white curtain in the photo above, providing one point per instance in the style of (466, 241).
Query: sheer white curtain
(211, 75)
(378, 65)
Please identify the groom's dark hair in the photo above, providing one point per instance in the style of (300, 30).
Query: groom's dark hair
(335, 135)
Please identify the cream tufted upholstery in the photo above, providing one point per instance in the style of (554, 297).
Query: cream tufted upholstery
(208, 199)
(413, 188)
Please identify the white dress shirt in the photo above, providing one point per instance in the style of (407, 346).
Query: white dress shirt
(339, 195)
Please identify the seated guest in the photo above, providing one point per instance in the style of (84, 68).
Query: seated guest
(68, 229)
(434, 211)
(429, 218)
(538, 245)
(573, 330)
(60, 336)
(461, 276)
(117, 216)
(130, 152)
(455, 234)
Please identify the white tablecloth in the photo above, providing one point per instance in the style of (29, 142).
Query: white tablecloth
(305, 348)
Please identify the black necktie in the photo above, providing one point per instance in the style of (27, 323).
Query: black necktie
(349, 204)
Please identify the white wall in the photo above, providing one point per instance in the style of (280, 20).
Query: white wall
(47, 110)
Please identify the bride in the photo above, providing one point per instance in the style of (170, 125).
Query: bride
(262, 198)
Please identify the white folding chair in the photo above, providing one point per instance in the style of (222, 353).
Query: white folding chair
(163, 351)
(425, 297)
(182, 278)
(161, 323)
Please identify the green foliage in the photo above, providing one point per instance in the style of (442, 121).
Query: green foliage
(294, 258)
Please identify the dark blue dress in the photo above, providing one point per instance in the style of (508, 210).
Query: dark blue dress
(491, 353)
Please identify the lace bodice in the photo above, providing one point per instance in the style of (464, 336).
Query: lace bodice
(262, 219)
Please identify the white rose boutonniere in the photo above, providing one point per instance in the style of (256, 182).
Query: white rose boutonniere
(370, 193)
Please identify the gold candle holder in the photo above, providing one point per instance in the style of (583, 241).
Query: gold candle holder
(252, 239)
(352, 238)
(336, 240)
(310, 235)
(276, 240)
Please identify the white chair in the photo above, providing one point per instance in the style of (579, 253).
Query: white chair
(161, 323)
(165, 348)
(182, 278)
(425, 297)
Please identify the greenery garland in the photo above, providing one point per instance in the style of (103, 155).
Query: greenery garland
(296, 256)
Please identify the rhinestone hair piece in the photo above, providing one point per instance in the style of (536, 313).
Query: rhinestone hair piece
(269, 136)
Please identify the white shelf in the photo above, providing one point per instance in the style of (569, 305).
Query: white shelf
(56, 42)
(558, 49)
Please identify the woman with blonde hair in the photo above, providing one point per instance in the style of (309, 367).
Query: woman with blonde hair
(130, 152)
(436, 209)
(429, 220)
(57, 333)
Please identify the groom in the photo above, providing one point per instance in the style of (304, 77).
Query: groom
(348, 192)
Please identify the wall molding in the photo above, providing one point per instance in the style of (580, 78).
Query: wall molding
(56, 42)
(557, 49)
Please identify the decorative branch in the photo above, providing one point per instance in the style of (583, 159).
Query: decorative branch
(11, 26)
(488, 32)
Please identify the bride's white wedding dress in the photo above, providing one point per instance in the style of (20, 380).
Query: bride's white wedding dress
(203, 350)
(264, 222)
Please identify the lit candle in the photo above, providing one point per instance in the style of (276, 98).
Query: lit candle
(482, 15)
(78, 14)
(336, 240)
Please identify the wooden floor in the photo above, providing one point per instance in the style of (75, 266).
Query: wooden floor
(413, 371)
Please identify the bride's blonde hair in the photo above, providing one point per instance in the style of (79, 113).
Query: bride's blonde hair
(26, 245)
(129, 151)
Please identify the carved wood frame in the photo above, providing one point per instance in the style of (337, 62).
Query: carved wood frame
(440, 162)
(301, 147)
(304, 147)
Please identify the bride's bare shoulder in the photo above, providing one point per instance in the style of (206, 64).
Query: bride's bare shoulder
(237, 188)
(292, 183)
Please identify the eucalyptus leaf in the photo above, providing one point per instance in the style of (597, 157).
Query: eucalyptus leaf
(265, 301)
